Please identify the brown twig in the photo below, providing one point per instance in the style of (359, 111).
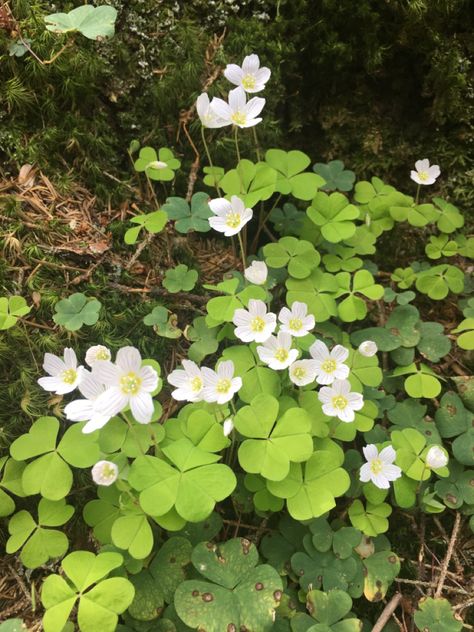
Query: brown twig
(457, 561)
(449, 553)
(418, 582)
(387, 612)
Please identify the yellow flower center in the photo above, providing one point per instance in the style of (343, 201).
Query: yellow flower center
(108, 471)
(257, 324)
(130, 383)
(223, 385)
(281, 354)
(233, 220)
(296, 324)
(196, 384)
(248, 82)
(103, 354)
(376, 466)
(299, 372)
(423, 175)
(339, 402)
(69, 376)
(239, 118)
(329, 366)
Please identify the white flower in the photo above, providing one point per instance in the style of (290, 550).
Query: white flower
(296, 321)
(256, 273)
(189, 382)
(379, 467)
(330, 365)
(227, 427)
(338, 401)
(128, 384)
(302, 372)
(84, 409)
(436, 457)
(277, 351)
(230, 217)
(250, 76)
(425, 174)
(65, 374)
(207, 115)
(254, 324)
(157, 164)
(220, 385)
(368, 348)
(238, 111)
(97, 352)
(104, 473)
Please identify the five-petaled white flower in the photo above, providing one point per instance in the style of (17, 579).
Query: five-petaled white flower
(189, 382)
(302, 372)
(296, 321)
(105, 473)
(206, 113)
(97, 352)
(379, 467)
(368, 348)
(436, 457)
(330, 364)
(229, 217)
(227, 427)
(128, 383)
(338, 401)
(256, 273)
(277, 351)
(425, 174)
(64, 372)
(220, 385)
(250, 76)
(84, 409)
(238, 111)
(254, 324)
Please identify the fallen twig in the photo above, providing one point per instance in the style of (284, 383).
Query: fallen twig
(449, 553)
(387, 612)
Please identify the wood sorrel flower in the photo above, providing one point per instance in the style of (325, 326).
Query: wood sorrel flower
(330, 364)
(230, 217)
(189, 382)
(238, 111)
(105, 473)
(296, 321)
(277, 351)
(64, 372)
(220, 385)
(379, 467)
(256, 273)
(254, 324)
(425, 174)
(338, 401)
(249, 76)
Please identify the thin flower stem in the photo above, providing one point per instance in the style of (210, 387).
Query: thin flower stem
(257, 146)
(232, 405)
(152, 191)
(242, 249)
(417, 194)
(208, 154)
(135, 436)
(236, 140)
(261, 223)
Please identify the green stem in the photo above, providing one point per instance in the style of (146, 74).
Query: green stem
(242, 250)
(261, 223)
(417, 194)
(255, 138)
(135, 436)
(236, 140)
(208, 154)
(152, 191)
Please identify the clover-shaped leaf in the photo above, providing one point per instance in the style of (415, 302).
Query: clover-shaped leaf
(436, 282)
(11, 481)
(151, 222)
(410, 444)
(180, 279)
(100, 600)
(436, 615)
(163, 323)
(213, 175)
(449, 218)
(240, 595)
(11, 309)
(404, 324)
(50, 474)
(372, 519)
(192, 485)
(188, 218)
(441, 246)
(336, 177)
(342, 258)
(334, 215)
(466, 329)
(380, 570)
(343, 541)
(310, 489)
(277, 547)
(272, 443)
(287, 220)
(330, 610)
(161, 166)
(37, 542)
(317, 291)
(457, 488)
(76, 311)
(95, 23)
(366, 191)
(353, 307)
(204, 339)
(403, 209)
(422, 381)
(298, 255)
(256, 379)
(251, 182)
(291, 179)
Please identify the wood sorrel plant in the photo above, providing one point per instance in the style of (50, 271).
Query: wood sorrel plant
(310, 419)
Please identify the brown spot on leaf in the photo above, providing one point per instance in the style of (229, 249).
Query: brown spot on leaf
(451, 498)
(172, 559)
(277, 596)
(231, 627)
(195, 593)
(207, 597)
(211, 546)
(378, 583)
(259, 586)
(452, 410)
(246, 544)
(392, 559)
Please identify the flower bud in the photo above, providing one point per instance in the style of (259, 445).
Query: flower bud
(104, 473)
(97, 352)
(368, 348)
(228, 426)
(256, 273)
(436, 458)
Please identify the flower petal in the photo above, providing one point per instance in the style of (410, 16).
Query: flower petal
(53, 365)
(233, 73)
(111, 402)
(141, 406)
(129, 360)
